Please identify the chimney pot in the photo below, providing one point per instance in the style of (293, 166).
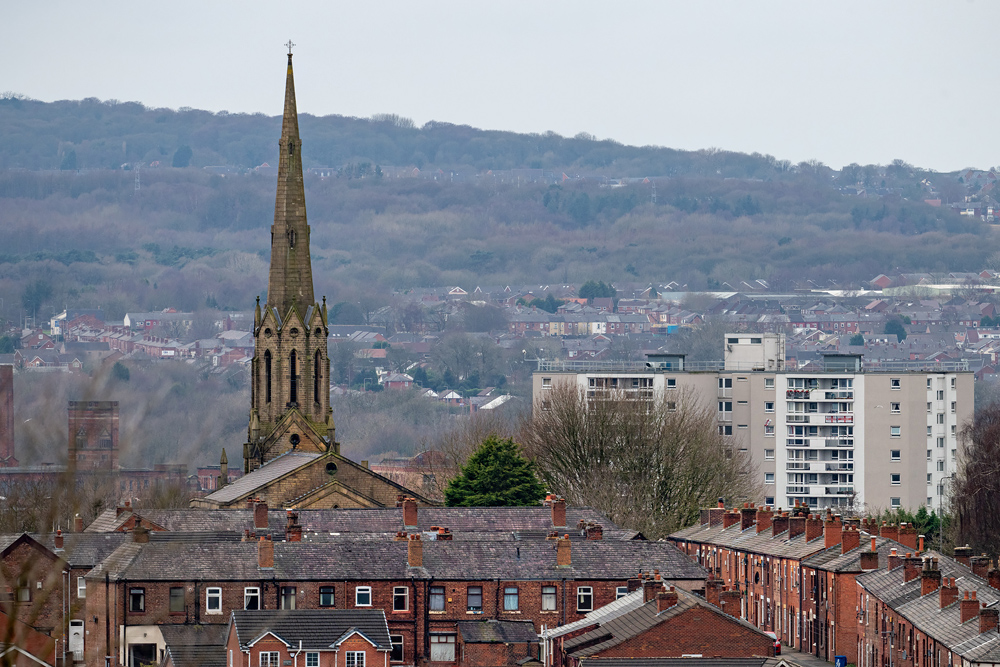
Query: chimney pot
(969, 607)
(59, 540)
(666, 599)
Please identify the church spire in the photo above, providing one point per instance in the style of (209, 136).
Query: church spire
(290, 279)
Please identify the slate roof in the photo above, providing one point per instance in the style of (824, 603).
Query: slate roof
(833, 560)
(317, 629)
(195, 645)
(262, 476)
(684, 662)
(639, 620)
(84, 550)
(493, 631)
(763, 543)
(622, 605)
(388, 520)
(210, 559)
(926, 615)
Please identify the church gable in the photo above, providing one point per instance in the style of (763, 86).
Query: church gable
(293, 432)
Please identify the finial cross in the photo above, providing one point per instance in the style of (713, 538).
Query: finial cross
(290, 45)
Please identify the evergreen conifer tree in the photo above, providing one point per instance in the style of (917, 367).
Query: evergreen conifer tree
(497, 474)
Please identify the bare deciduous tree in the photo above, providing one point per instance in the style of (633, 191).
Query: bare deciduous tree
(976, 489)
(649, 464)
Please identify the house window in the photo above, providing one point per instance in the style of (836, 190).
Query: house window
(671, 406)
(953, 383)
(397, 648)
(474, 598)
(930, 430)
(893, 383)
(213, 600)
(894, 431)
(269, 659)
(548, 598)
(288, 597)
(442, 648)
(929, 404)
(769, 431)
(768, 406)
(136, 598)
(929, 482)
(584, 598)
(768, 383)
(437, 598)
(671, 383)
(952, 430)
(769, 500)
(769, 478)
(928, 383)
(510, 598)
(894, 502)
(251, 598)
(400, 598)
(363, 596)
(81, 587)
(312, 659)
(547, 383)
(176, 599)
(894, 455)
(326, 596)
(928, 455)
(768, 454)
(726, 430)
(354, 659)
(894, 479)
(894, 408)
(621, 592)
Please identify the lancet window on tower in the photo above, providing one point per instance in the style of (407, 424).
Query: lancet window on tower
(293, 386)
(267, 375)
(317, 376)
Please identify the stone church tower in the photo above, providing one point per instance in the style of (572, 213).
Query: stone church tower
(290, 384)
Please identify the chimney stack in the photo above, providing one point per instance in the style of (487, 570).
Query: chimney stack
(748, 516)
(869, 559)
(78, 524)
(666, 599)
(260, 515)
(293, 531)
(763, 518)
(993, 578)
(988, 619)
(894, 560)
(964, 555)
(908, 536)
(930, 577)
(140, 534)
(729, 601)
(594, 531)
(814, 527)
(716, 513)
(633, 584)
(703, 515)
(730, 519)
(558, 512)
(948, 592)
(969, 606)
(410, 513)
(779, 524)
(912, 567)
(415, 551)
(563, 554)
(980, 565)
(889, 531)
(712, 588)
(850, 539)
(59, 540)
(832, 530)
(265, 554)
(796, 525)
(920, 544)
(444, 535)
(650, 587)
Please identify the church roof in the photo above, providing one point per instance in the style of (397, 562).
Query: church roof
(262, 476)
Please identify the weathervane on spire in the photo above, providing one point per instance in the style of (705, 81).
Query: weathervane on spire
(290, 45)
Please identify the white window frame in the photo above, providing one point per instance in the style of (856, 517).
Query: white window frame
(895, 455)
(449, 641)
(768, 383)
(248, 593)
(621, 592)
(895, 479)
(549, 599)
(312, 659)
(401, 592)
(584, 592)
(768, 454)
(511, 593)
(768, 406)
(81, 587)
(894, 384)
(397, 640)
(269, 659)
(354, 659)
(213, 594)
(769, 478)
(895, 431)
(894, 502)
(358, 592)
(895, 408)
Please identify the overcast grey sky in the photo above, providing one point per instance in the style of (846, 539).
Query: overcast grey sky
(838, 82)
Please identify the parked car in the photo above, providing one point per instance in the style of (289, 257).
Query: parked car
(777, 642)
